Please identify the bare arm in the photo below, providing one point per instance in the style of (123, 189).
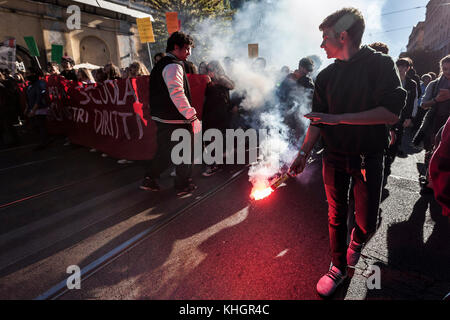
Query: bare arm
(312, 135)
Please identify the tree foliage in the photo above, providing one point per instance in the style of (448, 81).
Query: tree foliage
(190, 13)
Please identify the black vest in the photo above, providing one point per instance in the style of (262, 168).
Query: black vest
(161, 104)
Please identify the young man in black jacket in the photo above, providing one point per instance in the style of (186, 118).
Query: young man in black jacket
(355, 98)
(405, 121)
(171, 109)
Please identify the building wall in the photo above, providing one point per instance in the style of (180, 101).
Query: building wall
(437, 27)
(416, 39)
(104, 37)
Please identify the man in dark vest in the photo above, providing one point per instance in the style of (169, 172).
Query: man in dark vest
(171, 109)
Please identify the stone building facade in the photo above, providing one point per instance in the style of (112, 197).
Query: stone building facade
(107, 33)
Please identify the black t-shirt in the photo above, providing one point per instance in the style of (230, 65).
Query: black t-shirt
(367, 81)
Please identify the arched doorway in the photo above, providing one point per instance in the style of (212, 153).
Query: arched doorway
(94, 50)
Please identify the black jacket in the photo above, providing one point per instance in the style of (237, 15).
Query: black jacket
(367, 81)
(410, 87)
(161, 104)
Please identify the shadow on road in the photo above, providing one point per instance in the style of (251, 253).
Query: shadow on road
(229, 248)
(418, 261)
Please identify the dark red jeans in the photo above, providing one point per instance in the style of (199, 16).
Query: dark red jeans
(337, 171)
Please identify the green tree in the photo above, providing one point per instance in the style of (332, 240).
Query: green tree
(191, 13)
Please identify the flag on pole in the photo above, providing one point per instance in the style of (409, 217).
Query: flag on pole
(32, 46)
(172, 22)
(8, 55)
(145, 30)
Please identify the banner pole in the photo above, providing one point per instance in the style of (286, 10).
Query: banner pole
(150, 55)
(39, 65)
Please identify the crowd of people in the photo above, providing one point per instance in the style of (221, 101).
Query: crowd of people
(362, 106)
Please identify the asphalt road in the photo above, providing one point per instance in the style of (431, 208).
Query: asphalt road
(82, 207)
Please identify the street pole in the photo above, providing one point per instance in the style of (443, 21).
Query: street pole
(150, 55)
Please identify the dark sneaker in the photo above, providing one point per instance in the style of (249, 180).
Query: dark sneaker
(211, 170)
(330, 281)
(353, 252)
(187, 190)
(150, 184)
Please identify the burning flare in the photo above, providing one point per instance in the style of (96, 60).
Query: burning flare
(262, 190)
(259, 194)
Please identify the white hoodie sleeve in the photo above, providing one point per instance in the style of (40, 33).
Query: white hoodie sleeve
(173, 77)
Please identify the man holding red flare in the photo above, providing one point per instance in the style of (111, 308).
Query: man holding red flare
(355, 98)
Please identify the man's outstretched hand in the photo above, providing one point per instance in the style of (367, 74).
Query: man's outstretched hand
(323, 118)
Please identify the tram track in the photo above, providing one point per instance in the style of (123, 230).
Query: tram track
(92, 268)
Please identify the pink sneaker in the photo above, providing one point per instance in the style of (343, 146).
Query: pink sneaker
(353, 252)
(330, 281)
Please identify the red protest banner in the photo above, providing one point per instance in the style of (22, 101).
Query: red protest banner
(112, 117)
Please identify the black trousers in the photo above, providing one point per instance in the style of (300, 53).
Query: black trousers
(162, 160)
(337, 171)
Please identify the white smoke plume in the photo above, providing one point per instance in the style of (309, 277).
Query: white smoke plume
(285, 31)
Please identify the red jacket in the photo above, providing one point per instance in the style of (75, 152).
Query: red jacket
(440, 171)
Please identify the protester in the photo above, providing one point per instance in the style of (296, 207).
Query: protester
(53, 68)
(203, 68)
(158, 57)
(228, 65)
(171, 109)
(417, 120)
(432, 75)
(112, 71)
(217, 107)
(190, 67)
(292, 92)
(351, 116)
(21, 90)
(440, 169)
(37, 107)
(68, 72)
(405, 121)
(137, 69)
(425, 80)
(84, 76)
(125, 73)
(100, 75)
(437, 101)
(380, 47)
(9, 111)
(259, 65)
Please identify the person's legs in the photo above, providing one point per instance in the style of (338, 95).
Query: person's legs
(367, 198)
(337, 181)
(184, 170)
(161, 161)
